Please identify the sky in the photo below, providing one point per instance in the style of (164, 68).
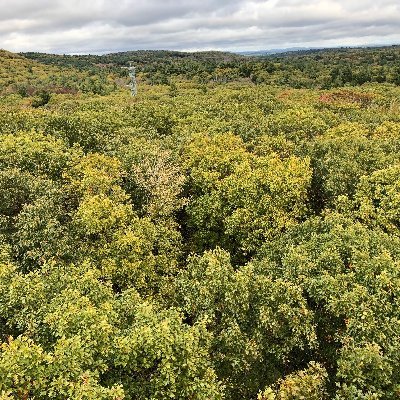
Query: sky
(103, 26)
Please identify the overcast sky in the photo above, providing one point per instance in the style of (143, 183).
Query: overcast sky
(98, 26)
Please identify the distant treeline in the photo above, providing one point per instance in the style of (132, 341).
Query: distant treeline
(302, 69)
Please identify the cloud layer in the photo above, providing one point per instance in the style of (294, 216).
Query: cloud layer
(102, 26)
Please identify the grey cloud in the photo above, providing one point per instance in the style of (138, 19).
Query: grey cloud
(105, 25)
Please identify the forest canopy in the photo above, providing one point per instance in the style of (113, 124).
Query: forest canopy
(231, 232)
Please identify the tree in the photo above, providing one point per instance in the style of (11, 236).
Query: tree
(70, 335)
(239, 200)
(257, 323)
(348, 273)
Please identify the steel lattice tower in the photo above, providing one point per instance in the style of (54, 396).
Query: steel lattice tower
(132, 75)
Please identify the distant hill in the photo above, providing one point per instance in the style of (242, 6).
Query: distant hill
(259, 53)
(27, 77)
(361, 52)
(303, 50)
(144, 59)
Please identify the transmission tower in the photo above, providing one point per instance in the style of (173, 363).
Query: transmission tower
(132, 75)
